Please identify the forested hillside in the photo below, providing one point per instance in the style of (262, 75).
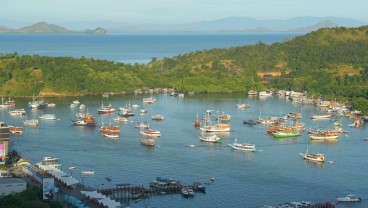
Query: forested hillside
(329, 62)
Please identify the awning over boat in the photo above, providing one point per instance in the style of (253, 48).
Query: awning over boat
(102, 199)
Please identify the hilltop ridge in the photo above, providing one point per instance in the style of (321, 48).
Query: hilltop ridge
(45, 28)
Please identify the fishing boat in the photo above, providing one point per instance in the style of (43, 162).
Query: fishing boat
(211, 138)
(31, 122)
(313, 157)
(48, 117)
(150, 132)
(17, 112)
(349, 198)
(148, 142)
(286, 134)
(16, 130)
(245, 146)
(88, 172)
(158, 117)
(87, 120)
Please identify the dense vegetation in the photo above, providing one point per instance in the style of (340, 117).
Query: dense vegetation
(329, 62)
(30, 198)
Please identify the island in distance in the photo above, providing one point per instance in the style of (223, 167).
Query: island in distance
(45, 28)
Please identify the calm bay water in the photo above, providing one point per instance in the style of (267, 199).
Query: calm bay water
(129, 48)
(274, 174)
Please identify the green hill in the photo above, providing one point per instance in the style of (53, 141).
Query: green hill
(328, 61)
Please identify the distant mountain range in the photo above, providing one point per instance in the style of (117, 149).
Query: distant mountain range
(230, 24)
(45, 28)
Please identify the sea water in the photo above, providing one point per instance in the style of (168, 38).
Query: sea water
(272, 175)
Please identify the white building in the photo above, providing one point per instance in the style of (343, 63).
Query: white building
(12, 185)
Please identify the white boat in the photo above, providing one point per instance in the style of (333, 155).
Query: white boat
(264, 93)
(349, 198)
(48, 117)
(106, 109)
(51, 105)
(49, 159)
(73, 105)
(242, 106)
(313, 157)
(325, 116)
(143, 125)
(76, 102)
(148, 142)
(135, 106)
(17, 112)
(244, 146)
(121, 119)
(158, 117)
(82, 106)
(31, 122)
(88, 172)
(211, 138)
(149, 100)
(252, 92)
(9, 103)
(150, 132)
(111, 134)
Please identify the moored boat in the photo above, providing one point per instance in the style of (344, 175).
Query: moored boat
(110, 129)
(106, 109)
(323, 136)
(313, 157)
(148, 142)
(31, 122)
(143, 125)
(349, 198)
(149, 100)
(158, 117)
(87, 120)
(325, 116)
(244, 146)
(211, 138)
(252, 93)
(286, 134)
(88, 172)
(17, 112)
(47, 117)
(16, 130)
(49, 159)
(111, 134)
(220, 127)
(242, 106)
(6, 104)
(150, 132)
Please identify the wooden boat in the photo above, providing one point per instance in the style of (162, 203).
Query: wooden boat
(220, 127)
(151, 133)
(110, 129)
(148, 142)
(323, 136)
(16, 130)
(244, 146)
(87, 120)
(313, 157)
(286, 134)
(211, 138)
(349, 198)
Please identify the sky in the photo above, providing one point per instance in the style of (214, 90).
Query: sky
(175, 11)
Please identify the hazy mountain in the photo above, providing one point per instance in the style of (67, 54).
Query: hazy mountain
(245, 24)
(45, 28)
